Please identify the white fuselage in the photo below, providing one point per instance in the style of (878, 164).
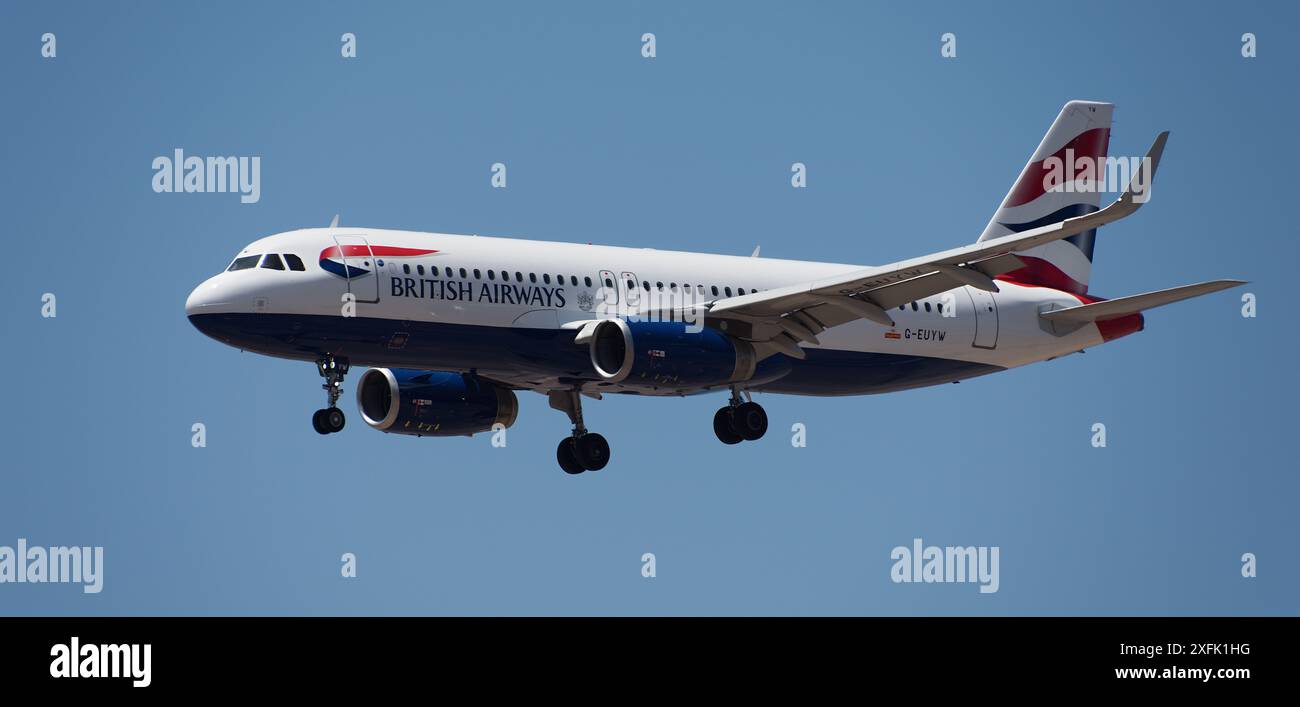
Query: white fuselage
(390, 282)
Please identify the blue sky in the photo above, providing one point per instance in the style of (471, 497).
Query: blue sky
(907, 153)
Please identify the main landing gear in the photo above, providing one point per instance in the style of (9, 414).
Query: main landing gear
(583, 451)
(330, 419)
(739, 421)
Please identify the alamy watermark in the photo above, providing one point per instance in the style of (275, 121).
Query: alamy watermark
(57, 564)
(921, 563)
(208, 175)
(103, 660)
(1085, 174)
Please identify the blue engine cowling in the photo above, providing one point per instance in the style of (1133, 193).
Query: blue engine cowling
(433, 403)
(668, 355)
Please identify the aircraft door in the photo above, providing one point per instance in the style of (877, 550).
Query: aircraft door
(986, 318)
(362, 267)
(608, 290)
(631, 291)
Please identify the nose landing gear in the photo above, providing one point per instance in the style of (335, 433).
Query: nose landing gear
(583, 451)
(739, 421)
(330, 419)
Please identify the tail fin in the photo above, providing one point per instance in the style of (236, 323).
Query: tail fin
(1082, 129)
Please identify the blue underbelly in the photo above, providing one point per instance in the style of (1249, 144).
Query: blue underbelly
(545, 352)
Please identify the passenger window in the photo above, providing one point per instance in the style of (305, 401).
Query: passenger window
(295, 263)
(914, 307)
(715, 290)
(939, 306)
(477, 274)
(492, 275)
(740, 290)
(609, 283)
(587, 279)
(272, 262)
(519, 277)
(406, 269)
(573, 279)
(532, 277)
(463, 274)
(244, 263)
(546, 278)
(927, 306)
(449, 272)
(727, 290)
(419, 269)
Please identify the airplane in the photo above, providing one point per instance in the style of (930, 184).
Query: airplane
(451, 326)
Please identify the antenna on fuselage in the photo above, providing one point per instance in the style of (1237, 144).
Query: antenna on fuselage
(755, 253)
(335, 222)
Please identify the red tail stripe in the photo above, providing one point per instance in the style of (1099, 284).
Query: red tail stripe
(1041, 273)
(1090, 143)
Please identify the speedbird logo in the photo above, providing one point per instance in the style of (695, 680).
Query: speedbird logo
(346, 261)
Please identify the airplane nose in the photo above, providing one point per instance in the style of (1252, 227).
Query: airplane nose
(205, 297)
(193, 302)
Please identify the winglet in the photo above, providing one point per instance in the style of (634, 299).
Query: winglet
(1137, 194)
(1139, 188)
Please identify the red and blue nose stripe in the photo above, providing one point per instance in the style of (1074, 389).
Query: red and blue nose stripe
(333, 258)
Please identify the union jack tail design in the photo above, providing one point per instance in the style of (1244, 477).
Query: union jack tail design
(1079, 135)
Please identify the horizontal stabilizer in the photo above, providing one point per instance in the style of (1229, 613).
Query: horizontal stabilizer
(1112, 308)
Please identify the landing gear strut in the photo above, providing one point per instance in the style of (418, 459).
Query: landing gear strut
(740, 420)
(583, 451)
(330, 419)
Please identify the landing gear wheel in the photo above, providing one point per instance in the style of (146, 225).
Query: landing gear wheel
(317, 423)
(749, 421)
(722, 427)
(330, 419)
(592, 451)
(333, 419)
(583, 450)
(567, 455)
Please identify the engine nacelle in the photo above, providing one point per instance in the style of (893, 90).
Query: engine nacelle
(668, 355)
(433, 403)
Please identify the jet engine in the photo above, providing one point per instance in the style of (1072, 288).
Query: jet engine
(433, 403)
(668, 355)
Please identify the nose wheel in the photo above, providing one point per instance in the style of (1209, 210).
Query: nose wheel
(740, 421)
(330, 419)
(583, 450)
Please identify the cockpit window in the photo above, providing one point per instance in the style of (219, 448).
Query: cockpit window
(295, 263)
(272, 262)
(244, 263)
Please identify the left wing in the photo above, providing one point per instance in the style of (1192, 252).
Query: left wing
(783, 317)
